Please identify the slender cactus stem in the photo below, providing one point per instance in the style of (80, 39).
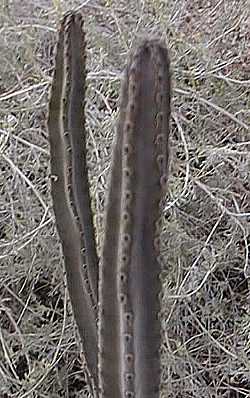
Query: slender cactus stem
(69, 183)
(129, 333)
(75, 57)
(109, 322)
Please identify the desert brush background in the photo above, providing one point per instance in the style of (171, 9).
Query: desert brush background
(206, 234)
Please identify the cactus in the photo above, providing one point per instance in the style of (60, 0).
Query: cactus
(69, 182)
(124, 344)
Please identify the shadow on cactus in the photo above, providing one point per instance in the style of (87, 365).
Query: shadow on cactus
(115, 298)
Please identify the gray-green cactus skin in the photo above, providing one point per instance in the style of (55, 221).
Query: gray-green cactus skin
(69, 182)
(122, 348)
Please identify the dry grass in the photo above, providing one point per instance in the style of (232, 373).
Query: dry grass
(206, 316)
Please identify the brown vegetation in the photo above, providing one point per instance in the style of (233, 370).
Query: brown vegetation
(205, 317)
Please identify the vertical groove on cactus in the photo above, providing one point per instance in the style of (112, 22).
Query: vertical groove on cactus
(68, 169)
